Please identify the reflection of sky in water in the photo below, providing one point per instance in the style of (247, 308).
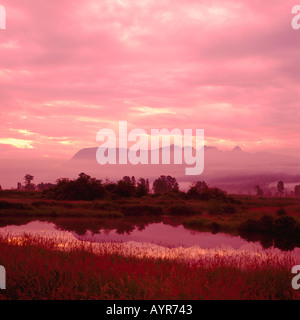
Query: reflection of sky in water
(167, 235)
(155, 233)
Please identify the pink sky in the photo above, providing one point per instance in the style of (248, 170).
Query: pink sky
(70, 68)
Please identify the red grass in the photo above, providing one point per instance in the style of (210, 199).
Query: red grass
(36, 270)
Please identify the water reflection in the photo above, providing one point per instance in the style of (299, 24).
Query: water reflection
(284, 242)
(154, 230)
(81, 225)
(167, 236)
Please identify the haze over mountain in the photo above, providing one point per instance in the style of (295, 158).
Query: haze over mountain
(233, 170)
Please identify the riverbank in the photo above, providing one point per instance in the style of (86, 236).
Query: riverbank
(213, 215)
(193, 215)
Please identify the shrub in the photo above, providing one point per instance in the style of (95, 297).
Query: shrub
(83, 188)
(196, 189)
(207, 194)
(14, 205)
(285, 226)
(218, 207)
(142, 188)
(165, 184)
(181, 209)
(265, 225)
(248, 226)
(284, 232)
(281, 212)
(126, 187)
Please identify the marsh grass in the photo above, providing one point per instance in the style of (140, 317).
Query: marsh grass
(40, 268)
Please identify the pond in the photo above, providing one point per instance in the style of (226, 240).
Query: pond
(157, 233)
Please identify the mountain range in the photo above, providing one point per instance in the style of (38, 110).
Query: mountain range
(235, 170)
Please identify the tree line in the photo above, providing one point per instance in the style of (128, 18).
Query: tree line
(281, 190)
(85, 187)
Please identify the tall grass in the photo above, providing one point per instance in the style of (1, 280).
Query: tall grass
(39, 268)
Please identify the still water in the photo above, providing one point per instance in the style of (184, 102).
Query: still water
(153, 233)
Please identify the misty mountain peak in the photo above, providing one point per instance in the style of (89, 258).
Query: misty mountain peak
(237, 149)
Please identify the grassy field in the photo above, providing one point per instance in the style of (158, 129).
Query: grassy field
(36, 269)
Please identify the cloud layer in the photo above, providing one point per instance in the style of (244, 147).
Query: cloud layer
(70, 68)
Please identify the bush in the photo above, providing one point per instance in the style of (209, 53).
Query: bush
(207, 194)
(165, 184)
(281, 212)
(83, 188)
(142, 188)
(181, 209)
(265, 225)
(285, 226)
(14, 205)
(284, 231)
(126, 187)
(216, 207)
(248, 226)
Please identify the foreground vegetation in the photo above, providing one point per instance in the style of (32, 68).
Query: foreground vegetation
(36, 269)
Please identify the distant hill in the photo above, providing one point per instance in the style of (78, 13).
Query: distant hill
(235, 170)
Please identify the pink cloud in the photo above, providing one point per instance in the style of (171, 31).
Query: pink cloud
(69, 68)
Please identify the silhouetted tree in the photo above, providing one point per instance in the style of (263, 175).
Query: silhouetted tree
(133, 181)
(196, 189)
(201, 191)
(297, 191)
(280, 187)
(44, 186)
(28, 185)
(165, 184)
(259, 191)
(126, 187)
(83, 188)
(110, 187)
(142, 188)
(200, 186)
(281, 212)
